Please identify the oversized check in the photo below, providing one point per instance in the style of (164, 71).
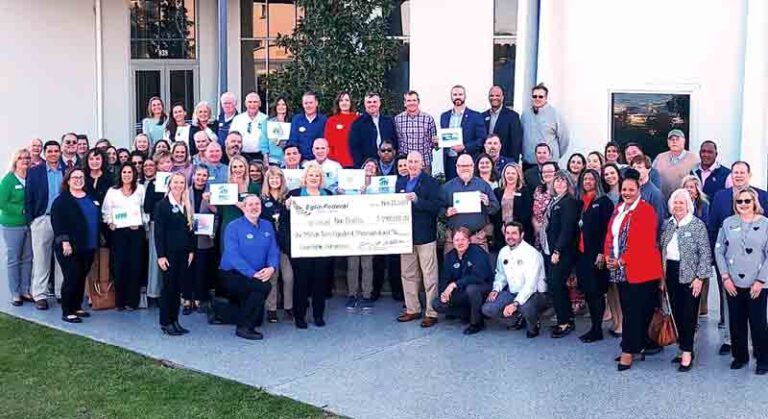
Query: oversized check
(350, 225)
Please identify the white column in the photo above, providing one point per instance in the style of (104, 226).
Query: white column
(526, 52)
(754, 125)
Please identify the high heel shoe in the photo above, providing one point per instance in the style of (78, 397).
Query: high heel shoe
(686, 368)
(624, 367)
(170, 330)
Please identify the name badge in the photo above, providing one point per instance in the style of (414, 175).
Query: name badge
(249, 236)
(175, 210)
(518, 194)
(687, 234)
(19, 187)
(595, 205)
(519, 262)
(456, 265)
(267, 234)
(268, 204)
(96, 203)
(487, 118)
(302, 129)
(339, 126)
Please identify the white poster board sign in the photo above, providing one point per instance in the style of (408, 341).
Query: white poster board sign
(293, 178)
(123, 217)
(161, 181)
(449, 137)
(224, 194)
(350, 225)
(203, 224)
(278, 131)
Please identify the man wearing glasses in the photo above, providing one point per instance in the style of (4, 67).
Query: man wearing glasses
(542, 124)
(370, 130)
(387, 164)
(250, 123)
(69, 150)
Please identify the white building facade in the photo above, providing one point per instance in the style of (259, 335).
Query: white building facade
(616, 70)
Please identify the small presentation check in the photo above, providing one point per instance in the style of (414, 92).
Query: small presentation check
(350, 225)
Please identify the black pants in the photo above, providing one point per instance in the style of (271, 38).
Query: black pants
(745, 313)
(310, 279)
(202, 272)
(637, 302)
(251, 294)
(721, 294)
(449, 167)
(593, 282)
(557, 286)
(127, 247)
(177, 274)
(74, 268)
(685, 307)
(466, 302)
(390, 263)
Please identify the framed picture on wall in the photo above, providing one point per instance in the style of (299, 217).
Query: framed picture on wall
(646, 118)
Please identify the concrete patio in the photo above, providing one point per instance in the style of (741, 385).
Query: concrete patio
(370, 366)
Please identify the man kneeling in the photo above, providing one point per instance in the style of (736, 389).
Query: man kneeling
(465, 280)
(518, 290)
(250, 258)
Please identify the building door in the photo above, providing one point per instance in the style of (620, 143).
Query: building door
(174, 84)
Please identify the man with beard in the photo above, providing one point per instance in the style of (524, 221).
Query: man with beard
(233, 145)
(505, 123)
(493, 148)
(472, 127)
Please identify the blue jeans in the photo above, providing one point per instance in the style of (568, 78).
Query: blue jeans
(18, 255)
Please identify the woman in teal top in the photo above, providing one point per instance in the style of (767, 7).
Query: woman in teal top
(272, 148)
(13, 225)
(155, 122)
(238, 174)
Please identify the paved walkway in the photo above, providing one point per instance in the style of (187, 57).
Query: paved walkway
(369, 366)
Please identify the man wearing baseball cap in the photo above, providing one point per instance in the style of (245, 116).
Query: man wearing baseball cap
(675, 164)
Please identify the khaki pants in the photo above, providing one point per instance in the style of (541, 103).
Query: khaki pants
(42, 253)
(417, 268)
(353, 276)
(480, 238)
(287, 270)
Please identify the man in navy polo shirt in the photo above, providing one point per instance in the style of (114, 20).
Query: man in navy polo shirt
(308, 126)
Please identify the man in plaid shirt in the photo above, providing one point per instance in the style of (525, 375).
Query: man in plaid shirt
(416, 130)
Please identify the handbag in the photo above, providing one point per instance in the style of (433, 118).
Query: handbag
(662, 329)
(99, 285)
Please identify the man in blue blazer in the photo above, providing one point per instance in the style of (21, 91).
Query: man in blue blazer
(43, 187)
(369, 130)
(505, 123)
(472, 127)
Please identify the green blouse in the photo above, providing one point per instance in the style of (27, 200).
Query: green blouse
(12, 201)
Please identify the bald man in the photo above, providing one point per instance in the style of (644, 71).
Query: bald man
(505, 123)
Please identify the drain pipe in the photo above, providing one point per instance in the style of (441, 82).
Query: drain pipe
(99, 73)
(222, 46)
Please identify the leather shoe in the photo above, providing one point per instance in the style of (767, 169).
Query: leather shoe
(725, 349)
(474, 328)
(180, 329)
(41, 305)
(591, 336)
(300, 323)
(429, 321)
(170, 330)
(562, 331)
(761, 371)
(71, 319)
(246, 333)
(319, 322)
(406, 317)
(82, 314)
(16, 303)
(530, 334)
(737, 365)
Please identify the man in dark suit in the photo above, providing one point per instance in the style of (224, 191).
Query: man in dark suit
(69, 156)
(369, 130)
(505, 123)
(472, 127)
(43, 187)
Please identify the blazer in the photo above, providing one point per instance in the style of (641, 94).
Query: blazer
(204, 242)
(522, 211)
(695, 253)
(473, 130)
(151, 198)
(642, 257)
(273, 211)
(36, 198)
(285, 222)
(362, 137)
(510, 131)
(99, 191)
(715, 181)
(69, 223)
(594, 225)
(173, 234)
(563, 226)
(425, 209)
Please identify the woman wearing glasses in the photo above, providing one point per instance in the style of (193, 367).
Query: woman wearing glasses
(741, 252)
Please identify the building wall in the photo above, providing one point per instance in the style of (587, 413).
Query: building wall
(451, 44)
(118, 82)
(47, 82)
(590, 47)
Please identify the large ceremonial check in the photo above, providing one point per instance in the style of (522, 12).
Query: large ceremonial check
(350, 225)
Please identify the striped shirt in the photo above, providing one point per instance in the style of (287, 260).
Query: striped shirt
(414, 133)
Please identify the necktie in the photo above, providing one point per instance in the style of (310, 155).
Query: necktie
(70, 164)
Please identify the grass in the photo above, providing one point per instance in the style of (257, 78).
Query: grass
(46, 373)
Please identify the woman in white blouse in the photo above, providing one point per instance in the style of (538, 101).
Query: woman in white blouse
(123, 211)
(177, 128)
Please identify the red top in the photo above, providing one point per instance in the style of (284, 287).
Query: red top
(642, 258)
(586, 201)
(337, 134)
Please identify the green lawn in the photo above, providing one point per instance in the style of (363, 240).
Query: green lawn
(45, 373)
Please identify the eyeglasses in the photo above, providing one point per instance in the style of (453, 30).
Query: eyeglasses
(70, 142)
(743, 201)
(249, 127)
(77, 177)
(538, 96)
(386, 150)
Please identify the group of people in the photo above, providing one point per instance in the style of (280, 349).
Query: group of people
(612, 228)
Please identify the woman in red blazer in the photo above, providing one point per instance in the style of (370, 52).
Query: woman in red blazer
(635, 264)
(337, 130)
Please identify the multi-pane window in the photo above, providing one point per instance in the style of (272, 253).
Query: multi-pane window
(163, 29)
(504, 46)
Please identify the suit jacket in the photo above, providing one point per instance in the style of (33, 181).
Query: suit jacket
(522, 211)
(715, 181)
(172, 231)
(362, 137)
(510, 131)
(563, 226)
(594, 225)
(425, 209)
(473, 130)
(36, 199)
(641, 257)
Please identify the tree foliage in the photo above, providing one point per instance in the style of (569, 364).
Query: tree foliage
(339, 45)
